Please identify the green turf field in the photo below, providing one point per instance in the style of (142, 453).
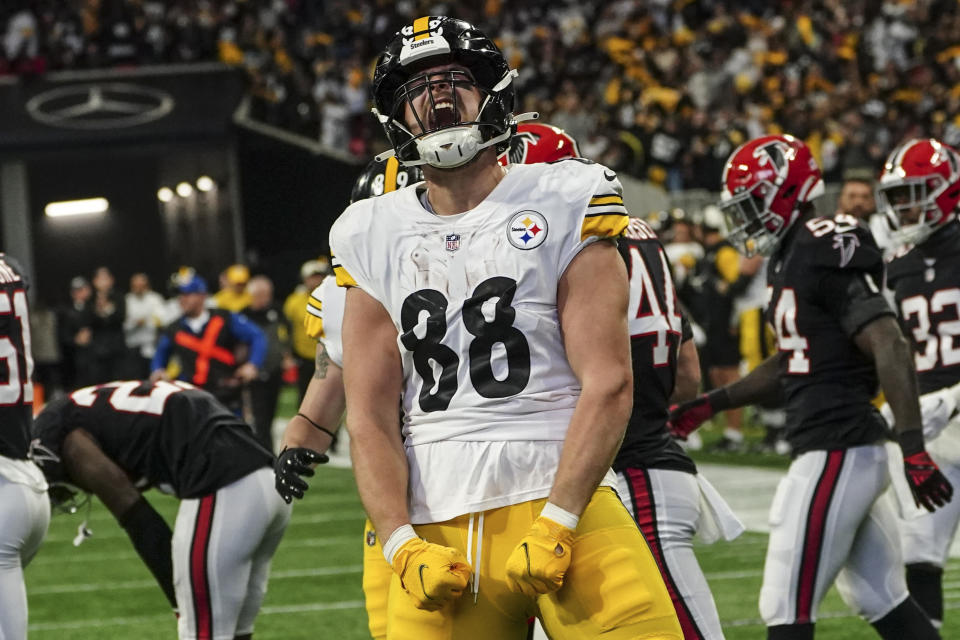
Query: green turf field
(102, 590)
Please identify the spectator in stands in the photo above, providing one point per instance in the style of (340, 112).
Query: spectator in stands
(73, 329)
(312, 274)
(205, 343)
(265, 389)
(233, 296)
(145, 314)
(106, 311)
(856, 195)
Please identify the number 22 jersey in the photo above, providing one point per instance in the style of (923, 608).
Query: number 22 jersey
(488, 392)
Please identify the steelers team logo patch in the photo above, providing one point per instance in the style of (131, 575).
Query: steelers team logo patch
(527, 230)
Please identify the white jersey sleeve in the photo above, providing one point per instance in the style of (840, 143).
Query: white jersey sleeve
(324, 318)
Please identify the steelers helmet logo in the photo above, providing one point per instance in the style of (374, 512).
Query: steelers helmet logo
(527, 230)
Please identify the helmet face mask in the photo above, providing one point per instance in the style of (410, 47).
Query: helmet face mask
(460, 62)
(919, 190)
(765, 183)
(751, 227)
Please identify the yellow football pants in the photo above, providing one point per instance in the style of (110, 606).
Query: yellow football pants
(612, 589)
(376, 582)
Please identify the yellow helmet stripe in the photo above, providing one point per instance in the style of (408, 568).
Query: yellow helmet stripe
(421, 28)
(390, 175)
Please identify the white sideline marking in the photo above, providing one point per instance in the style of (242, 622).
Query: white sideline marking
(149, 584)
(113, 622)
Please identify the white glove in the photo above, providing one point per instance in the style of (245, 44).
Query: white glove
(937, 409)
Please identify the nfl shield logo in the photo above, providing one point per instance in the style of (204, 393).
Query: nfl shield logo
(371, 538)
(453, 241)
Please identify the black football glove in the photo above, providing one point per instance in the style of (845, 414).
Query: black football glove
(291, 464)
(930, 488)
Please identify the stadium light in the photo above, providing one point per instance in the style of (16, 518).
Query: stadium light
(184, 190)
(165, 194)
(205, 183)
(76, 207)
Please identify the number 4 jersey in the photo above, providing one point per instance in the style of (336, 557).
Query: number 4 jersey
(488, 392)
(823, 285)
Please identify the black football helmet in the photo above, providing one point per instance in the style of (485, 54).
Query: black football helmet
(383, 176)
(446, 142)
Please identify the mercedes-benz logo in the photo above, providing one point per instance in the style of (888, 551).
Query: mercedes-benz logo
(100, 106)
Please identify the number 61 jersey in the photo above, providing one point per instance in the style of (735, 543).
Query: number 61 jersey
(474, 300)
(823, 285)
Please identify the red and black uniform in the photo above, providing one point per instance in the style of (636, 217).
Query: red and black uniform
(16, 362)
(926, 285)
(824, 285)
(657, 481)
(178, 439)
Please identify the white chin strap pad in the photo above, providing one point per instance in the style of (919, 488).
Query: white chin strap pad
(450, 147)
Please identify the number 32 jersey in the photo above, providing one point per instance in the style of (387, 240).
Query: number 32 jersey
(474, 299)
(823, 285)
(926, 284)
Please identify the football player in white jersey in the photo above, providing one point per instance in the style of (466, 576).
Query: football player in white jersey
(324, 401)
(494, 302)
(308, 434)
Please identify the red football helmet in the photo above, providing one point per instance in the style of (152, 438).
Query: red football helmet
(535, 142)
(764, 183)
(919, 189)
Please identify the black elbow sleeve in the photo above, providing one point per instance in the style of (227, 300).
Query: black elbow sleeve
(151, 537)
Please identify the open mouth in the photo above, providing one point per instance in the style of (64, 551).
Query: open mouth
(443, 115)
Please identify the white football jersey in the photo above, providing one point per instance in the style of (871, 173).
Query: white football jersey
(324, 319)
(474, 300)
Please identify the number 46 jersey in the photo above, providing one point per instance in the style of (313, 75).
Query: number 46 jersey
(823, 285)
(474, 300)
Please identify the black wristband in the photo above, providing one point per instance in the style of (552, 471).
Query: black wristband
(719, 399)
(911, 441)
(317, 426)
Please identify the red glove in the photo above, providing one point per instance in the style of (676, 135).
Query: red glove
(686, 417)
(929, 486)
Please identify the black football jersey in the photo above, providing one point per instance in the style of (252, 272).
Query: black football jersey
(926, 284)
(656, 331)
(170, 434)
(16, 362)
(828, 382)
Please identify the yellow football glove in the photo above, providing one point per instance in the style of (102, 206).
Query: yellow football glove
(537, 565)
(432, 574)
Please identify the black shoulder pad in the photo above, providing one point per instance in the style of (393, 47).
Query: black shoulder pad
(905, 262)
(839, 242)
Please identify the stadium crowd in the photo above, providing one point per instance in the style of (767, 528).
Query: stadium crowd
(102, 333)
(658, 90)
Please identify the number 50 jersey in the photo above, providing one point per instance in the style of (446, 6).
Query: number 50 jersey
(474, 297)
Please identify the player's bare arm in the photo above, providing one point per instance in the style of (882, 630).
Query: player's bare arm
(373, 377)
(323, 404)
(91, 470)
(592, 301)
(759, 386)
(883, 342)
(762, 385)
(688, 373)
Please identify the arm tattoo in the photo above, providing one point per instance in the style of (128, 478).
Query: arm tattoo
(323, 361)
